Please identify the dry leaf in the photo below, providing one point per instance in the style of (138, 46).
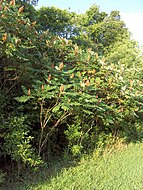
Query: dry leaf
(121, 109)
(29, 92)
(20, 10)
(42, 87)
(96, 55)
(3, 15)
(131, 82)
(72, 76)
(49, 77)
(61, 66)
(12, 2)
(33, 23)
(87, 83)
(94, 71)
(76, 50)
(47, 42)
(5, 8)
(61, 88)
(4, 37)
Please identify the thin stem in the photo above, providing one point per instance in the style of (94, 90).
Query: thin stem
(56, 124)
(40, 141)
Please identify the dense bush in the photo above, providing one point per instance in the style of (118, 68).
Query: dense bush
(56, 95)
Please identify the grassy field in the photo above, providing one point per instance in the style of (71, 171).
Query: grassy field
(121, 170)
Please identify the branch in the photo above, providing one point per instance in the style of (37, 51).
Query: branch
(55, 125)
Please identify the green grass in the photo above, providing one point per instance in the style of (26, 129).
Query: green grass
(122, 170)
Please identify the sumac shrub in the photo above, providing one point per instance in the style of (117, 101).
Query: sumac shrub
(56, 87)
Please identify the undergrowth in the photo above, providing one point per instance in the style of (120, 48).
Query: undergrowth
(120, 168)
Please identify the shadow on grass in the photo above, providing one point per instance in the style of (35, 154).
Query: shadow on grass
(29, 178)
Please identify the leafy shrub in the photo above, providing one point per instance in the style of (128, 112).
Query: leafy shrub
(1, 177)
(17, 141)
(65, 94)
(96, 97)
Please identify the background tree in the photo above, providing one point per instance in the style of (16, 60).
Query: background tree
(56, 21)
(99, 30)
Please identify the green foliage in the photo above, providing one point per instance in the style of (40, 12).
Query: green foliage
(2, 175)
(121, 170)
(56, 21)
(17, 141)
(17, 39)
(56, 94)
(98, 30)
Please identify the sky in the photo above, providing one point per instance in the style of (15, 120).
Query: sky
(131, 11)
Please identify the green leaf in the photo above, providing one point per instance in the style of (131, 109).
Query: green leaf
(56, 108)
(65, 107)
(23, 99)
